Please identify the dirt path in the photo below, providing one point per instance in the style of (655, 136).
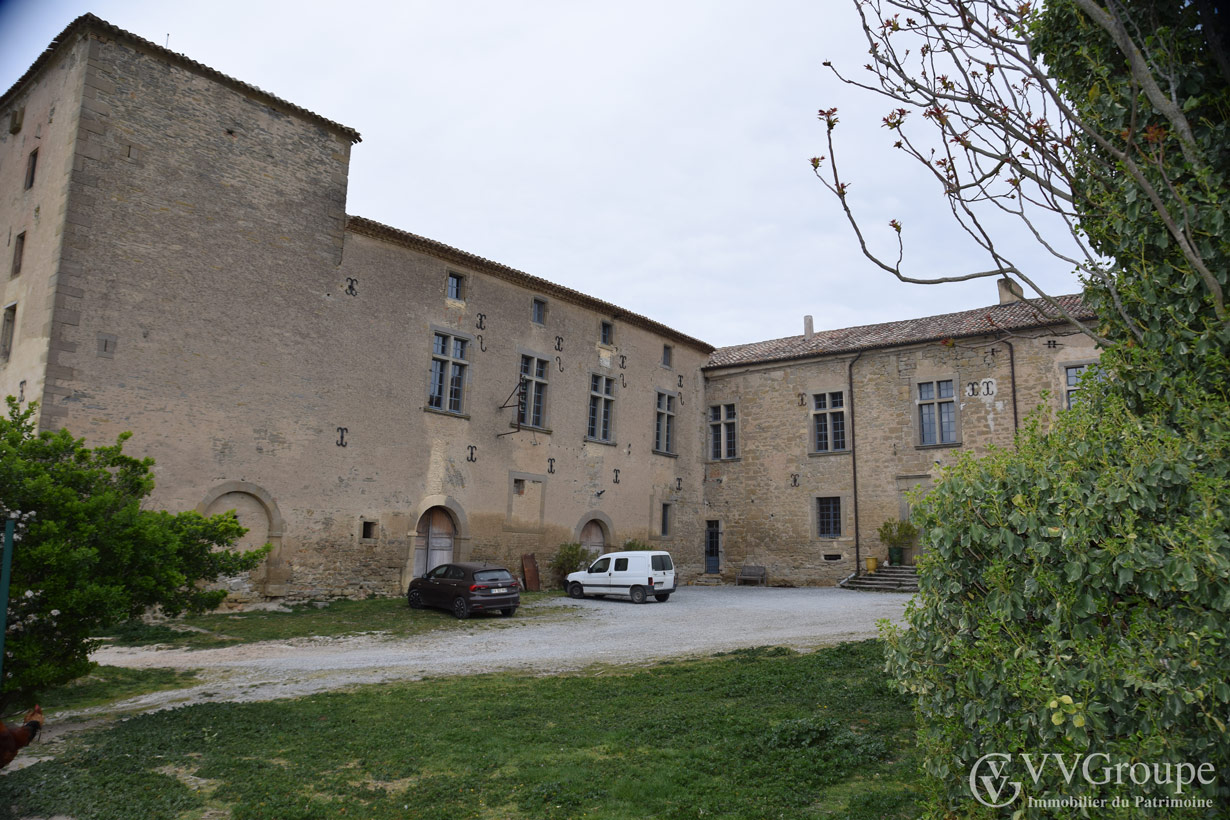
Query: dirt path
(696, 621)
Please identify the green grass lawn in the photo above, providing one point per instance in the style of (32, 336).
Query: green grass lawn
(387, 616)
(749, 734)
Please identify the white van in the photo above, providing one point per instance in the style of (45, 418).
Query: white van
(635, 574)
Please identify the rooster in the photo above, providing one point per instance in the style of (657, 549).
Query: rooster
(13, 738)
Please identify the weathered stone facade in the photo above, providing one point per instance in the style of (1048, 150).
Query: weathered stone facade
(188, 272)
(766, 498)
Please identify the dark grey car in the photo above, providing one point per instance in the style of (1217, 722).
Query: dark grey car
(466, 588)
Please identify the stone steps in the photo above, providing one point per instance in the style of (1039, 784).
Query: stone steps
(885, 579)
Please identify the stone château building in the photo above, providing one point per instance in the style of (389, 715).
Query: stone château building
(179, 263)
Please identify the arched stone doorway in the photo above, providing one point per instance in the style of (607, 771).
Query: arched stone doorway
(594, 532)
(256, 510)
(434, 540)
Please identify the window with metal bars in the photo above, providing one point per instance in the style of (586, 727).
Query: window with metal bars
(446, 390)
(601, 403)
(828, 422)
(828, 517)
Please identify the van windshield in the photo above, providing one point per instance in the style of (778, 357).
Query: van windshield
(662, 563)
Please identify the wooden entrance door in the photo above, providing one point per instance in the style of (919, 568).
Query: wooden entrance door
(433, 543)
(593, 538)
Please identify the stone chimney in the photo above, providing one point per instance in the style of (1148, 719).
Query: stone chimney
(808, 329)
(1009, 291)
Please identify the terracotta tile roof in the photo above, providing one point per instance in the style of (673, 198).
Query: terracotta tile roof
(90, 23)
(978, 322)
(377, 230)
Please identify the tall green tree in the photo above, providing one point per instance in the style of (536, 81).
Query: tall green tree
(89, 555)
(1075, 593)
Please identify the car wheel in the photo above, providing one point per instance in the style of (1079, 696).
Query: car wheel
(460, 608)
(663, 596)
(575, 590)
(415, 598)
(509, 612)
(637, 594)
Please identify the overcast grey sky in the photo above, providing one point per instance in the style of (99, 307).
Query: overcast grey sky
(652, 154)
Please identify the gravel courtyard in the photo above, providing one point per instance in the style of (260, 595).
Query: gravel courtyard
(696, 621)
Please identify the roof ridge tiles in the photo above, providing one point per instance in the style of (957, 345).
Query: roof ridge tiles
(981, 321)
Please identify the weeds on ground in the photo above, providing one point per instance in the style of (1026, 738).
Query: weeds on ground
(761, 733)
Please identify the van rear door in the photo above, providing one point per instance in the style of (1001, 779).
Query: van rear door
(663, 571)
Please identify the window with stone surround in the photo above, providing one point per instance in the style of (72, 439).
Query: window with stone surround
(606, 333)
(31, 166)
(937, 412)
(723, 433)
(456, 288)
(19, 250)
(538, 311)
(828, 516)
(601, 403)
(446, 390)
(664, 424)
(6, 331)
(668, 355)
(1072, 376)
(532, 409)
(828, 422)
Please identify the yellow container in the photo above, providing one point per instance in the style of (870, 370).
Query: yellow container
(872, 563)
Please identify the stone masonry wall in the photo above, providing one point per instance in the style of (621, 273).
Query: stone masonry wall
(766, 498)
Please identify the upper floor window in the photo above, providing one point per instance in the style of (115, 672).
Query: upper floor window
(31, 165)
(668, 354)
(1072, 377)
(664, 424)
(607, 333)
(723, 437)
(456, 287)
(828, 422)
(448, 373)
(666, 521)
(601, 401)
(937, 413)
(538, 311)
(19, 250)
(6, 332)
(531, 409)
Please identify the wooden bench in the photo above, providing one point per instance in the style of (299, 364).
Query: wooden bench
(752, 574)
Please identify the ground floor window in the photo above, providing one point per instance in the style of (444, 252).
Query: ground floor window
(828, 517)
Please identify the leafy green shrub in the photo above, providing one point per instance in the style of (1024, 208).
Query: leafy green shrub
(90, 556)
(893, 533)
(568, 558)
(1085, 613)
(632, 545)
